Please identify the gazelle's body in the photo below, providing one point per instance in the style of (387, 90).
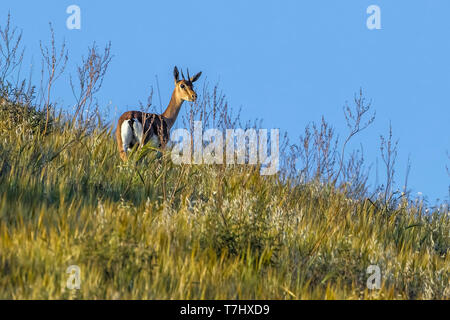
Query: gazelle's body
(136, 127)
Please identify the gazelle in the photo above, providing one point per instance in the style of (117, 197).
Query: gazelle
(136, 127)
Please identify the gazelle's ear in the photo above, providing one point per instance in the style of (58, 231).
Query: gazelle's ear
(175, 74)
(195, 78)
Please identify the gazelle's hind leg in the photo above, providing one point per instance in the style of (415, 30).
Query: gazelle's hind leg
(123, 156)
(138, 131)
(131, 133)
(127, 135)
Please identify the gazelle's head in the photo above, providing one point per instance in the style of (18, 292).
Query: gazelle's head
(184, 88)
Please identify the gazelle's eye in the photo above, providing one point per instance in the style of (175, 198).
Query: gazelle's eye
(182, 86)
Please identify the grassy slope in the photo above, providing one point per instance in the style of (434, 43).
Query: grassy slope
(151, 229)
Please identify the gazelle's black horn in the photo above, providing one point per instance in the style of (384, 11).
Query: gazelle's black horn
(189, 78)
(182, 74)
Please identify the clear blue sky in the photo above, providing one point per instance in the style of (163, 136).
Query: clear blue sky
(287, 62)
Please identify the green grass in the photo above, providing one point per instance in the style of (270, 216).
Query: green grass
(149, 229)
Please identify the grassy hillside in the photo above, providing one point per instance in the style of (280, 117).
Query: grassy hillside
(151, 230)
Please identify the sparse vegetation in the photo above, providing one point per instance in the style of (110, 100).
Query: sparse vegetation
(149, 229)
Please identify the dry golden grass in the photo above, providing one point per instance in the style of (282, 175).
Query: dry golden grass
(152, 230)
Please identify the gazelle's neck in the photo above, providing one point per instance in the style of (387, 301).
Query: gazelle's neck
(173, 109)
